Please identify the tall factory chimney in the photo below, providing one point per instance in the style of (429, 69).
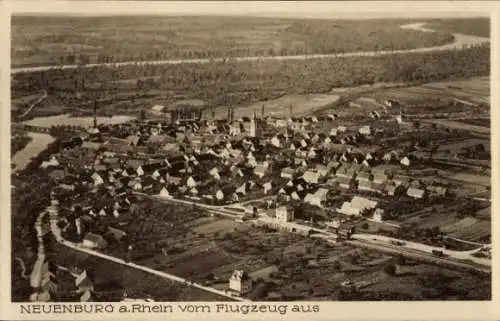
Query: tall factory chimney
(95, 113)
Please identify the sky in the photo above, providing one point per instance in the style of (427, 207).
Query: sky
(306, 9)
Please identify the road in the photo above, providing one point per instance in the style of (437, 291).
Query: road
(417, 255)
(385, 241)
(56, 231)
(36, 102)
(459, 42)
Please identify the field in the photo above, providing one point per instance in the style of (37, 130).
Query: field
(284, 266)
(102, 39)
(281, 107)
(476, 89)
(471, 178)
(436, 96)
(137, 283)
(483, 122)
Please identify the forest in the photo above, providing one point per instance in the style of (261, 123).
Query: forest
(112, 39)
(228, 82)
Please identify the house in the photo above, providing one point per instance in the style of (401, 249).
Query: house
(52, 162)
(276, 141)
(135, 185)
(438, 190)
(214, 172)
(191, 183)
(322, 170)
(333, 165)
(173, 180)
(357, 205)
(394, 190)
(157, 108)
(148, 169)
(133, 140)
(164, 193)
(341, 129)
(97, 178)
(311, 177)
(267, 187)
(285, 214)
(363, 176)
(240, 282)
(401, 180)
(92, 240)
(91, 145)
(416, 193)
(242, 190)
(405, 161)
(342, 182)
(82, 281)
(365, 130)
(260, 170)
(127, 172)
(287, 172)
(311, 154)
(380, 178)
(194, 191)
(317, 198)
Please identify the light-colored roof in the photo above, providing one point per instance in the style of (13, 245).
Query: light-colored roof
(157, 107)
(415, 192)
(362, 203)
(311, 176)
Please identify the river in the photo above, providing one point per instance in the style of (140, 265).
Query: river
(461, 40)
(37, 144)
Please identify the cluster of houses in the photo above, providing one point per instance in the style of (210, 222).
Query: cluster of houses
(207, 161)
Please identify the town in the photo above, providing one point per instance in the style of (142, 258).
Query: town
(328, 175)
(323, 177)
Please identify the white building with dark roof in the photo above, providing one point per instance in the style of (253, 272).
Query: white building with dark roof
(240, 282)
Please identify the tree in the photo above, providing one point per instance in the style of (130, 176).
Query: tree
(390, 269)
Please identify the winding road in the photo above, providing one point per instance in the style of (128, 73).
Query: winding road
(459, 42)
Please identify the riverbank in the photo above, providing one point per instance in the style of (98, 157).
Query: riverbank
(38, 143)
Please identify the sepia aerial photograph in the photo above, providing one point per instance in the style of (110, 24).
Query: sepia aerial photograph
(249, 155)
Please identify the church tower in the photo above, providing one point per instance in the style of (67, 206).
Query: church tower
(253, 126)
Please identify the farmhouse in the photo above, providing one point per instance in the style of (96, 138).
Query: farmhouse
(287, 172)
